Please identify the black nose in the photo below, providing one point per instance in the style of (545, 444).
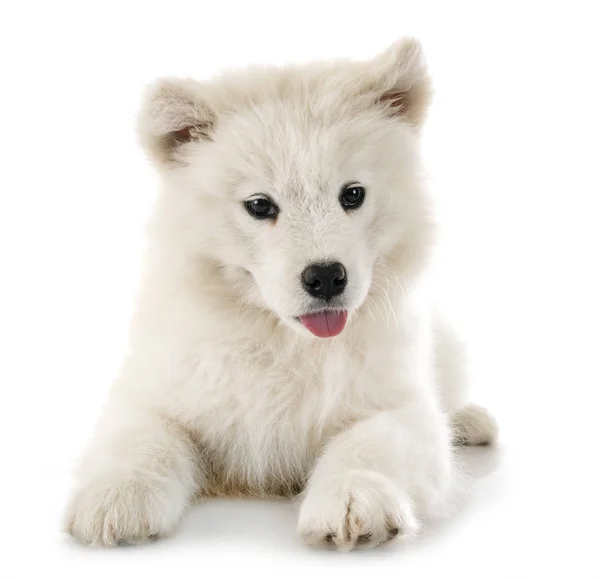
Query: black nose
(324, 280)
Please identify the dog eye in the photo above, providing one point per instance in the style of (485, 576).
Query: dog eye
(261, 208)
(352, 196)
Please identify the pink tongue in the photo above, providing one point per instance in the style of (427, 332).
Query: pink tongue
(325, 324)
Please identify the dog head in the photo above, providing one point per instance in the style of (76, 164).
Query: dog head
(301, 184)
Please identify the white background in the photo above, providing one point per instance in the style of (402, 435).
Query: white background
(512, 143)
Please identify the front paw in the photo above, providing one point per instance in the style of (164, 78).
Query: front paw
(129, 512)
(360, 508)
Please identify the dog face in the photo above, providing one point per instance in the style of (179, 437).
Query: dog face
(302, 185)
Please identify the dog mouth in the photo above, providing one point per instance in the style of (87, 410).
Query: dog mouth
(326, 323)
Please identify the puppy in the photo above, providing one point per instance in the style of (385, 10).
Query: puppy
(283, 342)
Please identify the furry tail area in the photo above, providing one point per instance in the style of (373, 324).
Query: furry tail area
(473, 425)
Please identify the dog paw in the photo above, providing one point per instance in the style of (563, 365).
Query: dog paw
(359, 509)
(121, 514)
(474, 425)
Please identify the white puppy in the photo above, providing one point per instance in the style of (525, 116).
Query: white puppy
(283, 341)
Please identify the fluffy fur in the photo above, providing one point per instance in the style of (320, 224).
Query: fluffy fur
(223, 391)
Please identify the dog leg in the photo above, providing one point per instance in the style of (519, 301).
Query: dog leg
(376, 479)
(135, 481)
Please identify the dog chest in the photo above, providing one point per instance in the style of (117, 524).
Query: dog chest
(260, 426)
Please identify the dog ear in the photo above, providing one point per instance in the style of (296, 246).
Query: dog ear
(400, 81)
(173, 112)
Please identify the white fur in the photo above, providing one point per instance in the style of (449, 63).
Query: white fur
(223, 391)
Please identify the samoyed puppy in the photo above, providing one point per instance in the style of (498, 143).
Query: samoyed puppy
(283, 342)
